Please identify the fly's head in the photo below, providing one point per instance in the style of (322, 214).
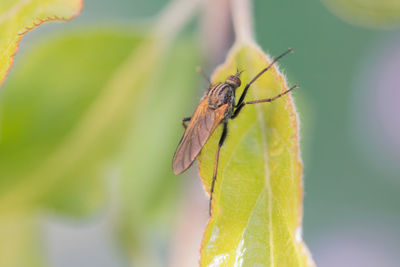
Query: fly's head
(234, 80)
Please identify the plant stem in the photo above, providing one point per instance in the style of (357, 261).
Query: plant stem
(174, 16)
(242, 20)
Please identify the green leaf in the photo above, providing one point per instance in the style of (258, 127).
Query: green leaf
(148, 182)
(81, 103)
(145, 187)
(19, 17)
(368, 13)
(257, 208)
(59, 126)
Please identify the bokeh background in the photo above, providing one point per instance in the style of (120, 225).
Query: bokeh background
(115, 201)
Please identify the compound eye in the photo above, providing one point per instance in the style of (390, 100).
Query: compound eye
(234, 81)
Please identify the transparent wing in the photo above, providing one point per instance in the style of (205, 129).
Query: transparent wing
(203, 123)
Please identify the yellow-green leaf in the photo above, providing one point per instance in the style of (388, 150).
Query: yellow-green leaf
(19, 246)
(257, 208)
(19, 17)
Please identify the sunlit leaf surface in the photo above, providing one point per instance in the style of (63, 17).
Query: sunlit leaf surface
(257, 208)
(20, 16)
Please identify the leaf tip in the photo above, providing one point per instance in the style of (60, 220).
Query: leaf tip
(36, 22)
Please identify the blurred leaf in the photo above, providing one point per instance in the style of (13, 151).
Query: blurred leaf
(73, 104)
(148, 188)
(369, 13)
(257, 208)
(59, 124)
(19, 17)
(18, 246)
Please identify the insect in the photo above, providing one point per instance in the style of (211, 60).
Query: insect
(217, 106)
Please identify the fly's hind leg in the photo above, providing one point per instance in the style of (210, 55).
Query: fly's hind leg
(221, 142)
(184, 120)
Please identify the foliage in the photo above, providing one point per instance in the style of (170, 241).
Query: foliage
(96, 113)
(59, 135)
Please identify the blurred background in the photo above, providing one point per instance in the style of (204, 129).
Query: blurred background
(90, 118)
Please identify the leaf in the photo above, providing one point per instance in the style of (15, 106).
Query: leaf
(19, 17)
(80, 103)
(53, 146)
(19, 246)
(147, 188)
(257, 207)
(368, 13)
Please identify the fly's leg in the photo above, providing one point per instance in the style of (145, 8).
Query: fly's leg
(184, 120)
(221, 142)
(239, 108)
(243, 95)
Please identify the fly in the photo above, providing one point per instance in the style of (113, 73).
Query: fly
(217, 106)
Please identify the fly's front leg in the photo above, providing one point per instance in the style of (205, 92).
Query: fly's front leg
(184, 120)
(241, 102)
(237, 110)
(241, 99)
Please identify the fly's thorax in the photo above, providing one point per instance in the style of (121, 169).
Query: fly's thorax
(221, 94)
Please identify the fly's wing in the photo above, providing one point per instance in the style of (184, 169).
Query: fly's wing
(203, 123)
